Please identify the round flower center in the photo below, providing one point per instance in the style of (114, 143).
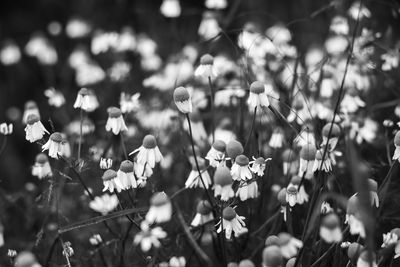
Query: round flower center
(149, 141)
(181, 94)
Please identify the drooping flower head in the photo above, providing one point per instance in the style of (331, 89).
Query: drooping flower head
(160, 210)
(216, 154)
(258, 97)
(258, 165)
(203, 213)
(291, 195)
(111, 182)
(366, 258)
(334, 136)
(272, 256)
(194, 179)
(148, 153)
(34, 129)
(41, 168)
(223, 183)
(353, 251)
(247, 190)
(322, 165)
(206, 68)
(289, 159)
(307, 158)
(233, 149)
(302, 195)
(373, 188)
(353, 216)
(330, 230)
(6, 129)
(86, 100)
(31, 108)
(125, 175)
(289, 245)
(183, 100)
(283, 201)
(231, 222)
(115, 121)
(240, 169)
(396, 154)
(54, 145)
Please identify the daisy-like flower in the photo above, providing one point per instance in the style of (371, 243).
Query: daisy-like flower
(326, 208)
(272, 256)
(105, 163)
(56, 98)
(339, 25)
(289, 245)
(366, 260)
(129, 103)
(223, 183)
(277, 138)
(359, 9)
(177, 262)
(307, 158)
(329, 230)
(170, 8)
(31, 108)
(142, 172)
(125, 175)
(247, 190)
(77, 28)
(115, 121)
(86, 100)
(149, 237)
(351, 102)
(353, 218)
(291, 195)
(10, 53)
(216, 154)
(289, 160)
(396, 154)
(302, 195)
(41, 168)
(203, 213)
(104, 204)
(95, 240)
(54, 145)
(148, 153)
(183, 100)
(373, 188)
(198, 130)
(391, 238)
(231, 222)
(206, 68)
(160, 210)
(258, 97)
(193, 180)
(6, 129)
(34, 129)
(216, 4)
(258, 165)
(326, 165)
(282, 200)
(233, 149)
(26, 258)
(240, 169)
(111, 182)
(334, 136)
(209, 27)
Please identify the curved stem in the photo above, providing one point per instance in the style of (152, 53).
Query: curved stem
(123, 146)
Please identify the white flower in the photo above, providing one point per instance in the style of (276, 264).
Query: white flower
(258, 165)
(54, 145)
(307, 159)
(258, 97)
(89, 73)
(148, 153)
(170, 8)
(396, 153)
(203, 215)
(240, 169)
(194, 179)
(34, 129)
(223, 183)
(364, 260)
(206, 68)
(56, 98)
(149, 237)
(216, 154)
(289, 245)
(42, 168)
(277, 138)
(183, 100)
(358, 8)
(6, 129)
(115, 121)
(111, 182)
(160, 210)
(231, 222)
(291, 195)
(129, 103)
(126, 176)
(119, 71)
(86, 100)
(216, 4)
(390, 238)
(95, 240)
(326, 165)
(330, 230)
(105, 163)
(177, 262)
(77, 28)
(104, 204)
(209, 27)
(30, 109)
(247, 190)
(10, 54)
(339, 25)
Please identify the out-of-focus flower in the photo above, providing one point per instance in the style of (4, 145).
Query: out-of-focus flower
(223, 183)
(391, 238)
(30, 108)
(149, 237)
(277, 138)
(302, 195)
(95, 240)
(246, 263)
(2, 236)
(391, 60)
(330, 230)
(339, 25)
(77, 28)
(279, 34)
(68, 251)
(249, 37)
(216, 154)
(240, 169)
(322, 164)
(10, 53)
(216, 4)
(119, 71)
(42, 168)
(170, 8)
(183, 100)
(351, 102)
(34, 129)
(373, 188)
(115, 122)
(6, 129)
(291, 195)
(56, 98)
(206, 68)
(258, 165)
(257, 98)
(11, 253)
(193, 179)
(364, 130)
(333, 130)
(104, 204)
(353, 217)
(126, 176)
(366, 260)
(86, 100)
(209, 27)
(233, 149)
(89, 73)
(272, 256)
(203, 213)
(54, 145)
(336, 45)
(26, 259)
(353, 251)
(129, 103)
(281, 196)
(127, 40)
(111, 182)
(289, 245)
(148, 152)
(307, 157)
(54, 28)
(41, 48)
(160, 210)
(396, 154)
(198, 131)
(289, 161)
(358, 9)
(65, 146)
(231, 222)
(106, 163)
(177, 262)
(306, 136)
(74, 127)
(247, 190)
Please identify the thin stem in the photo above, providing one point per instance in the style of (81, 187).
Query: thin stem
(123, 145)
(3, 145)
(251, 129)
(80, 135)
(212, 108)
(323, 256)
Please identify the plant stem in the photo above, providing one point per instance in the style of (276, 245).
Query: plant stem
(80, 135)
(123, 145)
(212, 108)
(251, 129)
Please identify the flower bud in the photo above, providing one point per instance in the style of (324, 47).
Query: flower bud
(234, 149)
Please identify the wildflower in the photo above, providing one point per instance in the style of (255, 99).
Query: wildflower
(247, 190)
(34, 129)
(160, 210)
(119, 71)
(223, 183)
(307, 158)
(326, 208)
(334, 135)
(177, 262)
(77, 28)
(142, 172)
(353, 251)
(272, 240)
(366, 260)
(357, 9)
(209, 27)
(111, 182)
(302, 195)
(203, 213)
(258, 165)
(206, 68)
(240, 169)
(290, 164)
(183, 100)
(330, 230)
(216, 154)
(353, 217)
(68, 251)
(258, 97)
(170, 8)
(95, 240)
(65, 147)
(277, 138)
(6, 129)
(10, 53)
(246, 263)
(339, 25)
(373, 188)
(198, 130)
(216, 4)
(30, 109)
(41, 48)
(42, 168)
(231, 222)
(129, 103)
(325, 165)
(54, 145)
(104, 204)
(193, 179)
(148, 153)
(249, 36)
(390, 60)
(291, 195)
(233, 149)
(391, 238)
(351, 102)
(149, 237)
(11, 253)
(363, 130)
(115, 121)
(26, 258)
(289, 245)
(86, 100)
(272, 257)
(336, 45)
(125, 175)
(283, 201)
(396, 154)
(56, 98)
(105, 163)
